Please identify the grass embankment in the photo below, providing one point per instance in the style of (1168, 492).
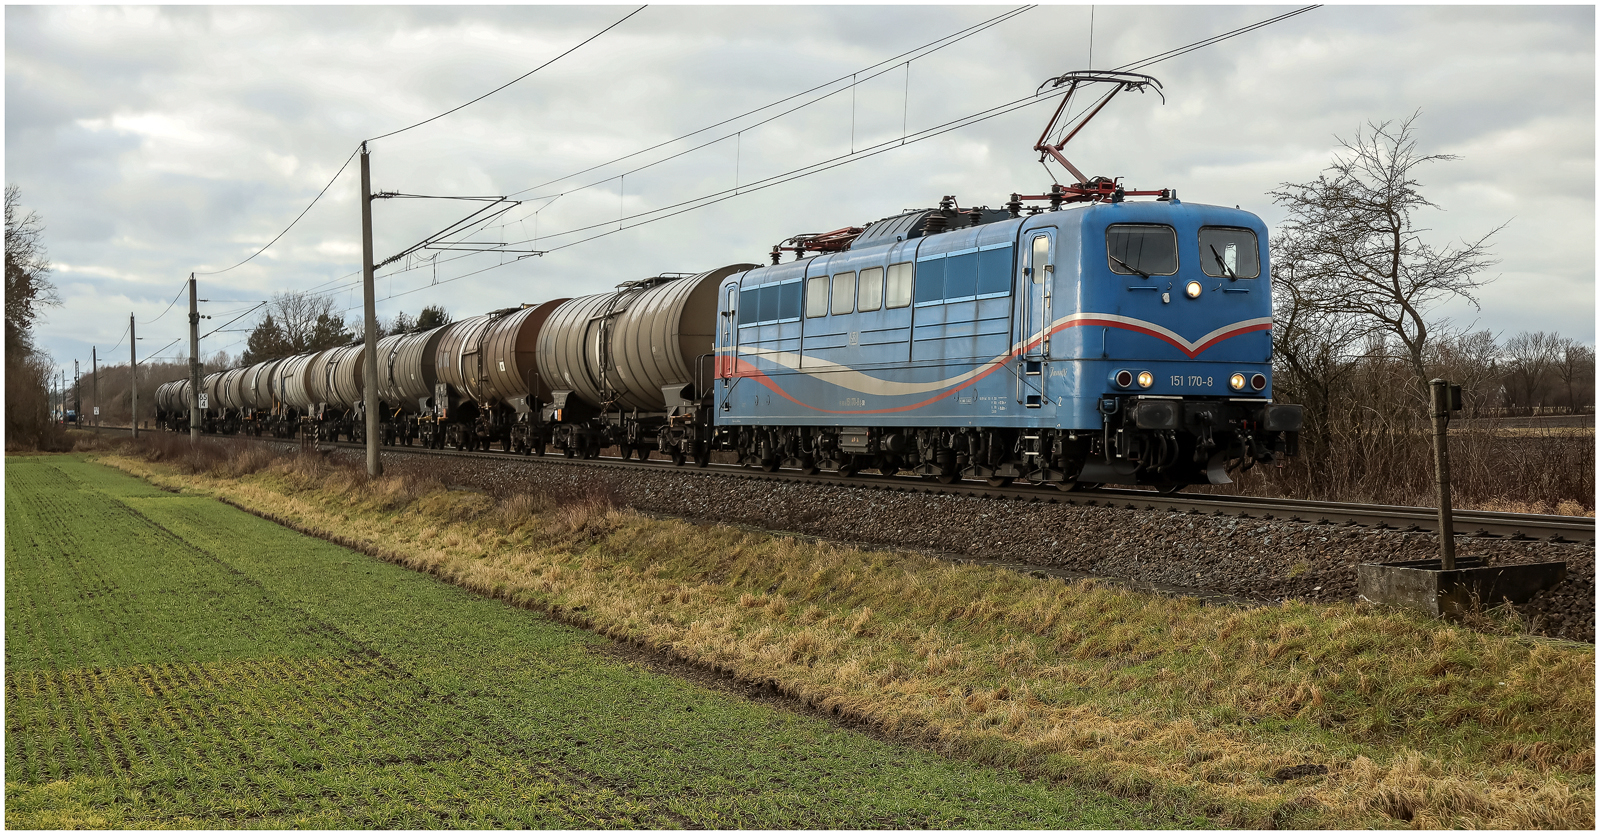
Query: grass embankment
(1196, 708)
(174, 662)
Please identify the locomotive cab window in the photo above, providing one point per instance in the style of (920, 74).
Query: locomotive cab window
(871, 289)
(816, 296)
(1228, 252)
(1141, 249)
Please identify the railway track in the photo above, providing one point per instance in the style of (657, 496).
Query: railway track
(1467, 523)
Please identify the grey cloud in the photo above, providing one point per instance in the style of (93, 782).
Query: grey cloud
(262, 103)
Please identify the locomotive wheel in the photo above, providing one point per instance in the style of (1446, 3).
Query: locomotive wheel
(946, 477)
(769, 465)
(999, 481)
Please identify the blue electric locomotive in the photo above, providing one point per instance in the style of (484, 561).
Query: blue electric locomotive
(1116, 342)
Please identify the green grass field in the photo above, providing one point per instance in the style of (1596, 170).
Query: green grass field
(174, 662)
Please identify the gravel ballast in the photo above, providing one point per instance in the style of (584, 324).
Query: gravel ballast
(1246, 558)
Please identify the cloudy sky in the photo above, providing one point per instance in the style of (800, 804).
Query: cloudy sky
(159, 141)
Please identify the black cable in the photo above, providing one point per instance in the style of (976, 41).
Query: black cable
(293, 222)
(119, 341)
(514, 80)
(157, 354)
(234, 319)
(169, 304)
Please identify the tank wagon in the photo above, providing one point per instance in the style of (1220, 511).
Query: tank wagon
(490, 388)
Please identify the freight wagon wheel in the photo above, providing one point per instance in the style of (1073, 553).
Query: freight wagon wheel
(678, 458)
(702, 459)
(1169, 489)
(769, 465)
(999, 481)
(538, 448)
(568, 452)
(947, 478)
(505, 445)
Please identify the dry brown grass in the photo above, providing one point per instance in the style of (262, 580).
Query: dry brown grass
(1194, 707)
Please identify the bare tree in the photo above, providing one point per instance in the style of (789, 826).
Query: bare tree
(1530, 359)
(1575, 367)
(28, 286)
(305, 319)
(1351, 245)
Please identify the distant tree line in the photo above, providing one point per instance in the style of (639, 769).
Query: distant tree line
(300, 323)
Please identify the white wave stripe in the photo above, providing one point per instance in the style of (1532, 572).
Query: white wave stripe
(846, 377)
(1190, 347)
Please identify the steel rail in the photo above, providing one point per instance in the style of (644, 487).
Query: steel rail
(1476, 524)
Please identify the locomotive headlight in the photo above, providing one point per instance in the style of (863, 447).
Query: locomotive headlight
(1124, 379)
(1258, 382)
(1236, 382)
(1146, 379)
(1192, 290)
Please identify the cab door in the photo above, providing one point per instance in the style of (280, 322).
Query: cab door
(1033, 296)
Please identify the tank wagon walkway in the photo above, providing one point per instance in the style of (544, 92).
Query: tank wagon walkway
(173, 661)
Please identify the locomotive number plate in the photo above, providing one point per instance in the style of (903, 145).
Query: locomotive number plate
(1180, 380)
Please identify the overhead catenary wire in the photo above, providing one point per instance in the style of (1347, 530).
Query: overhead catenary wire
(291, 223)
(346, 163)
(824, 165)
(514, 80)
(890, 64)
(174, 301)
(930, 47)
(234, 319)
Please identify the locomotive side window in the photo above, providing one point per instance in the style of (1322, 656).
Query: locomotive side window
(1135, 249)
(788, 301)
(844, 292)
(930, 280)
(961, 276)
(898, 291)
(749, 306)
(816, 296)
(769, 303)
(1227, 252)
(1041, 257)
(994, 271)
(871, 289)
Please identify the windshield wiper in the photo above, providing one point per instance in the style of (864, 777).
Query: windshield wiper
(1127, 266)
(1223, 264)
